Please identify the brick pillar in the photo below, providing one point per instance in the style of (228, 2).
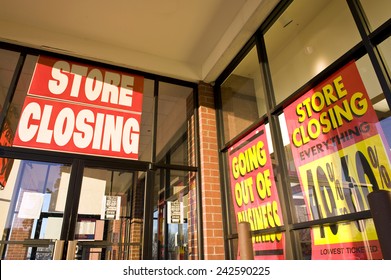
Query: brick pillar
(136, 228)
(114, 231)
(136, 221)
(21, 230)
(192, 232)
(210, 176)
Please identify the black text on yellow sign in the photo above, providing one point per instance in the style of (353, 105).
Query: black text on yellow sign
(253, 183)
(331, 115)
(339, 183)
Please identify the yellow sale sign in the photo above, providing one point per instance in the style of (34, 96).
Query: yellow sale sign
(340, 156)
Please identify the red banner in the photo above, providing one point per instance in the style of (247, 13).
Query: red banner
(254, 193)
(72, 107)
(76, 82)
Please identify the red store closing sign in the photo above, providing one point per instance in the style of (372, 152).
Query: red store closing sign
(72, 107)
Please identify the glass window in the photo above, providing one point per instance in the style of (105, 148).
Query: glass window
(345, 244)
(175, 216)
(105, 213)
(174, 126)
(180, 214)
(308, 37)
(8, 61)
(32, 204)
(323, 173)
(13, 114)
(253, 192)
(242, 95)
(159, 230)
(377, 11)
(376, 94)
(385, 50)
(234, 252)
(88, 124)
(145, 146)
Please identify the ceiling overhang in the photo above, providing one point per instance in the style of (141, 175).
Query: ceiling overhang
(188, 40)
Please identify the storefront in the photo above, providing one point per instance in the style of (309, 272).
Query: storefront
(104, 162)
(305, 131)
(87, 158)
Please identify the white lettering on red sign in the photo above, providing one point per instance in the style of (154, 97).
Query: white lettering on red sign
(112, 88)
(82, 109)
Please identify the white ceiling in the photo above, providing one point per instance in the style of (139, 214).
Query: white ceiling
(187, 39)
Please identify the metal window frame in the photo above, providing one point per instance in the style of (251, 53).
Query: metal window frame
(368, 45)
(78, 161)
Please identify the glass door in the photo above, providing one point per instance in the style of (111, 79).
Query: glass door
(110, 215)
(172, 214)
(96, 213)
(177, 227)
(32, 201)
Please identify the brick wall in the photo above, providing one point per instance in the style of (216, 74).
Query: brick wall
(192, 219)
(192, 232)
(210, 181)
(136, 229)
(21, 230)
(136, 221)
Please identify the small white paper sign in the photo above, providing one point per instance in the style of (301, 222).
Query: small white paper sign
(31, 205)
(175, 212)
(110, 207)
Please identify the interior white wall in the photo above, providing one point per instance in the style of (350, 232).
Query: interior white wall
(292, 66)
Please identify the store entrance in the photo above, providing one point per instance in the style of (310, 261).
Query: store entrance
(71, 211)
(171, 216)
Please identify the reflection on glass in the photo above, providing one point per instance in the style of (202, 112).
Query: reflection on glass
(145, 145)
(105, 214)
(322, 196)
(354, 240)
(233, 243)
(174, 129)
(385, 50)
(11, 122)
(32, 203)
(254, 192)
(242, 94)
(333, 183)
(155, 241)
(371, 83)
(377, 11)
(302, 44)
(8, 62)
(180, 214)
(175, 216)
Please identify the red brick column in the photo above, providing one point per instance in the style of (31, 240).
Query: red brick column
(210, 176)
(21, 230)
(192, 222)
(192, 219)
(137, 219)
(136, 228)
